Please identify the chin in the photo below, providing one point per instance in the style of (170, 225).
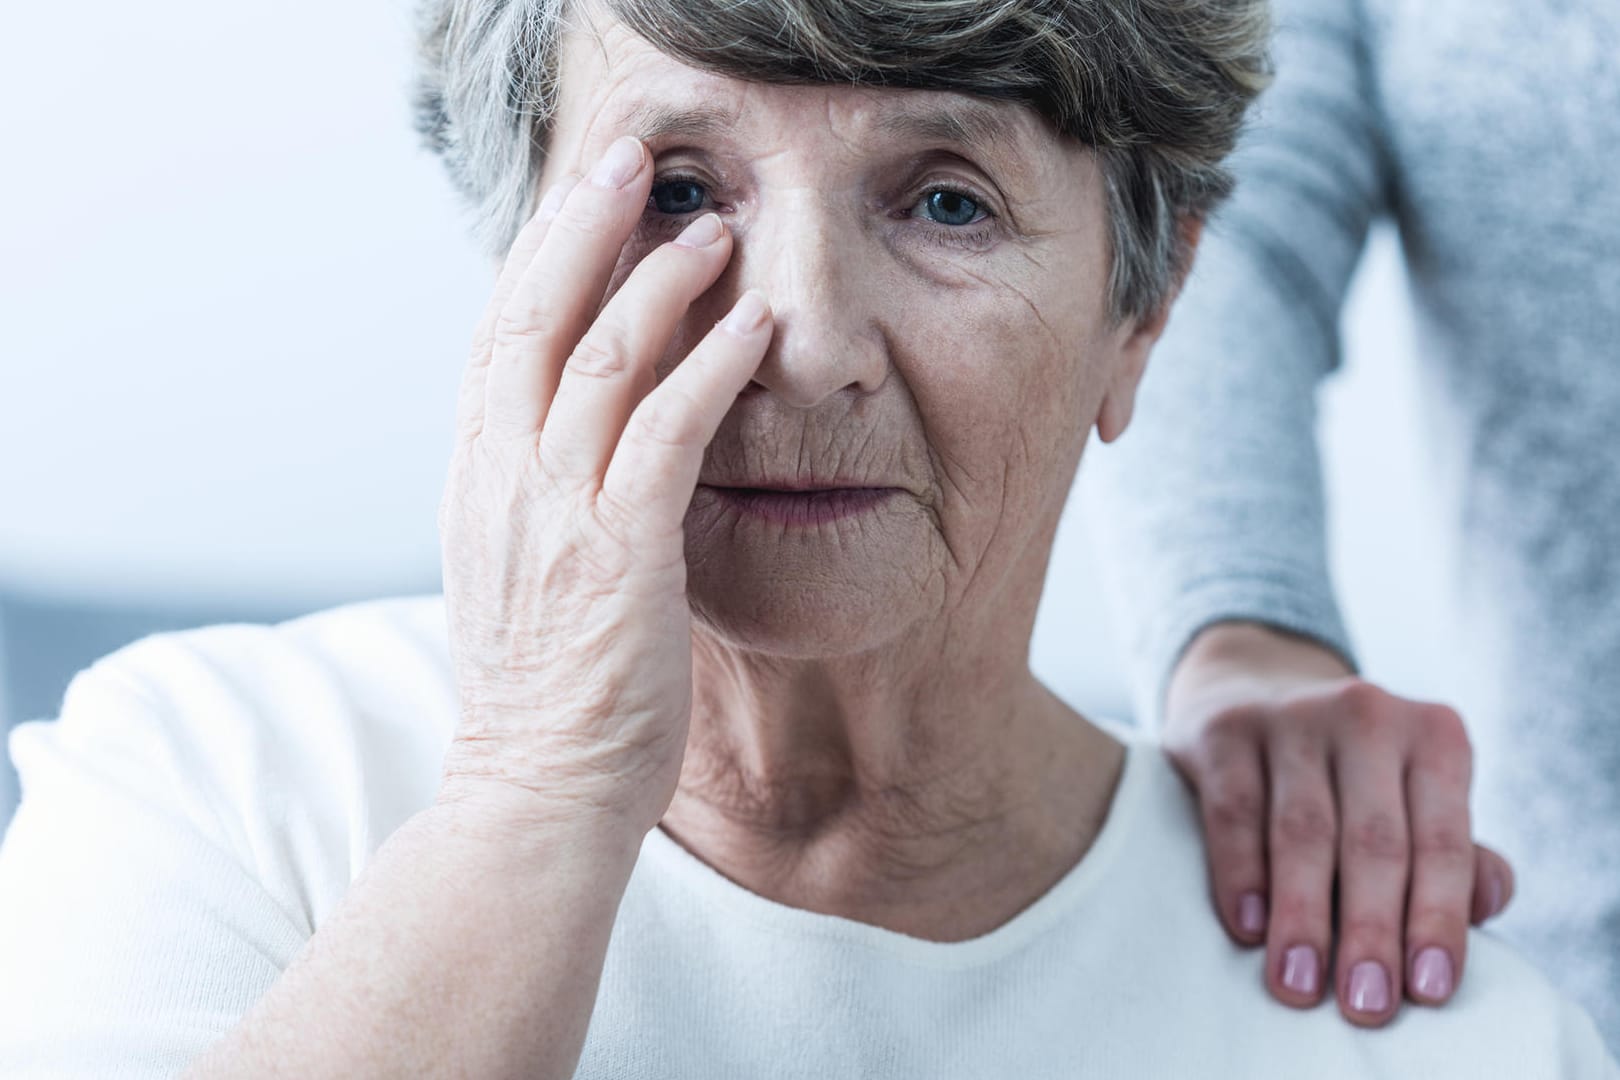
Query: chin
(812, 592)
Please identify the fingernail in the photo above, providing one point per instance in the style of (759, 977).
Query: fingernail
(748, 315)
(1431, 973)
(621, 162)
(1300, 969)
(1495, 896)
(701, 233)
(1369, 987)
(554, 198)
(1252, 913)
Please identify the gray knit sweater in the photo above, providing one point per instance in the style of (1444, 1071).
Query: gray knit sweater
(1490, 131)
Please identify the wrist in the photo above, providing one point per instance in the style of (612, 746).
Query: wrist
(1242, 646)
(1230, 662)
(523, 823)
(551, 778)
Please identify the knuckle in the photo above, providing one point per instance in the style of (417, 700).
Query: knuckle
(1365, 706)
(1304, 825)
(518, 323)
(600, 356)
(1443, 731)
(1376, 837)
(1236, 810)
(1234, 722)
(668, 419)
(1444, 844)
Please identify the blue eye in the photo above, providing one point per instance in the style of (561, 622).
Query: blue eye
(950, 207)
(676, 196)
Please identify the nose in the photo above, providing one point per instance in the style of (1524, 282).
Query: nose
(805, 253)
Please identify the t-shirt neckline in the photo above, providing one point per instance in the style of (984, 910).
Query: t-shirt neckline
(675, 865)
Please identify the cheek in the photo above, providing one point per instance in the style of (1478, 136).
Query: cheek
(1005, 379)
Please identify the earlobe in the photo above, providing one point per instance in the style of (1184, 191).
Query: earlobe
(1115, 414)
(1120, 402)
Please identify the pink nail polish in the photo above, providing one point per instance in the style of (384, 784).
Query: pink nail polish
(1369, 987)
(1300, 969)
(1252, 913)
(1431, 973)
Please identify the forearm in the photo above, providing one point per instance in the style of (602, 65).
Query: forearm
(1211, 506)
(455, 953)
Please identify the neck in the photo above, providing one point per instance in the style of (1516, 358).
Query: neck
(935, 798)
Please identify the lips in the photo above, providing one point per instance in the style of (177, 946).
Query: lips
(795, 505)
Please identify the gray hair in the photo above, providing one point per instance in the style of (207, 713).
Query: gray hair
(1157, 88)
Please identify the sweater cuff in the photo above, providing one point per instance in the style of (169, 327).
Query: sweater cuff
(1290, 602)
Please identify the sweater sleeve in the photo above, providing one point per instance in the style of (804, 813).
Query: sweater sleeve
(1211, 507)
(133, 934)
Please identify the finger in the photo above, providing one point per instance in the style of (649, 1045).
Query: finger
(561, 290)
(1301, 844)
(613, 366)
(1375, 851)
(1493, 884)
(470, 403)
(1438, 905)
(656, 466)
(1230, 778)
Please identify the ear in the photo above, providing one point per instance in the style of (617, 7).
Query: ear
(1140, 336)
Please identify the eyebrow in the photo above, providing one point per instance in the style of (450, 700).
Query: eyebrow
(971, 125)
(650, 120)
(978, 127)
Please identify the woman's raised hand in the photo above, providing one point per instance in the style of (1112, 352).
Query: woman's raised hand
(561, 523)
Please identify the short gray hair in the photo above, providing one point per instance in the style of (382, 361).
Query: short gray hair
(1158, 88)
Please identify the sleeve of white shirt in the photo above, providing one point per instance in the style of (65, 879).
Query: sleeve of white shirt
(134, 932)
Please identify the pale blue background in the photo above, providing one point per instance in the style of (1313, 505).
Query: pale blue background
(236, 300)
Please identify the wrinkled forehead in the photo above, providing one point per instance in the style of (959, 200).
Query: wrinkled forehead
(613, 82)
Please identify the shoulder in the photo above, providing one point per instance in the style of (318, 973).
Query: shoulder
(315, 688)
(1507, 1006)
(298, 746)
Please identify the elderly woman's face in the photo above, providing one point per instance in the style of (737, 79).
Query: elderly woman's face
(941, 333)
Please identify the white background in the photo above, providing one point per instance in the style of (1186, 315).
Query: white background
(236, 300)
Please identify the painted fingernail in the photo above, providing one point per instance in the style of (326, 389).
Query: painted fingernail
(701, 233)
(1495, 896)
(552, 203)
(748, 315)
(1252, 913)
(621, 162)
(1300, 969)
(1431, 973)
(1369, 987)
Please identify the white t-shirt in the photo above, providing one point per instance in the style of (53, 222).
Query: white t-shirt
(206, 798)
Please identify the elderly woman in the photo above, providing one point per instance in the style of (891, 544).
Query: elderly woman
(730, 763)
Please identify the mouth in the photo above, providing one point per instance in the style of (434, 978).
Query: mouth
(786, 505)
